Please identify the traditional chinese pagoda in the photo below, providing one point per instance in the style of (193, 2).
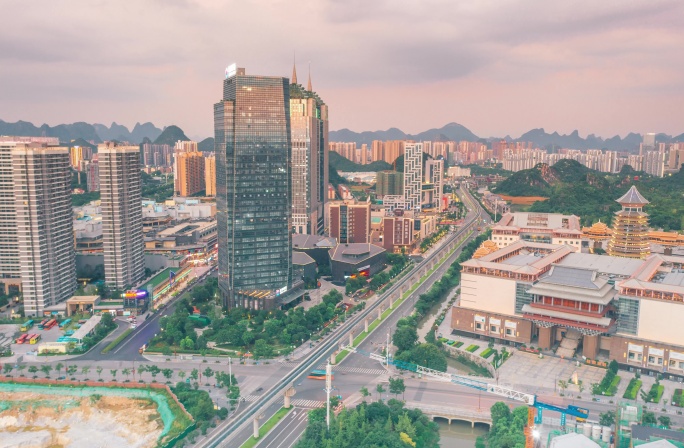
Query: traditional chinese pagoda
(630, 228)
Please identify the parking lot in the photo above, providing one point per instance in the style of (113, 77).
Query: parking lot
(11, 332)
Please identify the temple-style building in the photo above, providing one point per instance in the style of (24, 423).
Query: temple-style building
(630, 228)
(576, 304)
(597, 234)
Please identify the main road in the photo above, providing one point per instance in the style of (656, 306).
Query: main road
(235, 431)
(128, 350)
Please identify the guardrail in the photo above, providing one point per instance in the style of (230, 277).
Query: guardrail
(325, 349)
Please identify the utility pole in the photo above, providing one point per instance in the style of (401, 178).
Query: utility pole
(230, 373)
(387, 350)
(328, 389)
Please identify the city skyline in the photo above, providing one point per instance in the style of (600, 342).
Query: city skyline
(602, 68)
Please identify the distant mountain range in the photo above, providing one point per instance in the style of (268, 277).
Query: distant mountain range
(539, 137)
(96, 133)
(451, 131)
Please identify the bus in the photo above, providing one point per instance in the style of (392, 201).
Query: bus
(34, 338)
(580, 410)
(42, 323)
(64, 323)
(26, 325)
(319, 375)
(21, 339)
(51, 323)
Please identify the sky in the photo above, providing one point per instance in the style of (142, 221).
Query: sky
(498, 67)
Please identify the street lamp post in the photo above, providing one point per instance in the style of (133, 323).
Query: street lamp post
(230, 372)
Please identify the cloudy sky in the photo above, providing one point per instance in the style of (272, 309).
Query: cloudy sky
(496, 66)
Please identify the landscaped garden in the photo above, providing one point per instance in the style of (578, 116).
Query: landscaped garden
(632, 389)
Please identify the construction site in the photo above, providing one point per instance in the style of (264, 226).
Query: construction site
(51, 414)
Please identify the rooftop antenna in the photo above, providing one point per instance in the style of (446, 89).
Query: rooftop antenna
(308, 85)
(294, 67)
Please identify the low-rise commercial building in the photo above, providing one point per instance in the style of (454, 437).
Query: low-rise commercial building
(356, 259)
(550, 228)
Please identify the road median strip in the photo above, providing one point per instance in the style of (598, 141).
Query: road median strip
(117, 341)
(361, 336)
(266, 427)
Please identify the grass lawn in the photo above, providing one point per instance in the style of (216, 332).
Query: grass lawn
(678, 398)
(472, 347)
(117, 341)
(632, 389)
(266, 427)
(486, 353)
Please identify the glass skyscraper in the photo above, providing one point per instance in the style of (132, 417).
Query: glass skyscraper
(253, 190)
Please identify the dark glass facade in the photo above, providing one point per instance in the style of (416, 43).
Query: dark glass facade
(253, 189)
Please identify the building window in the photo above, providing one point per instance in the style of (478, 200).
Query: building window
(478, 326)
(510, 332)
(522, 297)
(628, 319)
(493, 329)
(634, 356)
(655, 360)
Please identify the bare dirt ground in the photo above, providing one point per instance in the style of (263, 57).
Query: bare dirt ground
(42, 421)
(523, 200)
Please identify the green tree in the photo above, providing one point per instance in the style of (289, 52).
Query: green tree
(208, 373)
(380, 390)
(33, 370)
(262, 349)
(99, 372)
(59, 367)
(84, 371)
(405, 338)
(364, 392)
(46, 369)
(181, 374)
(665, 421)
(154, 371)
(168, 373)
(7, 368)
(194, 374)
(113, 372)
(21, 368)
(71, 370)
(397, 386)
(126, 372)
(607, 418)
(648, 418)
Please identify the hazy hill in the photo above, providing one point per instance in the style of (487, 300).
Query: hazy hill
(451, 131)
(343, 164)
(539, 137)
(170, 136)
(206, 145)
(83, 143)
(65, 132)
(574, 189)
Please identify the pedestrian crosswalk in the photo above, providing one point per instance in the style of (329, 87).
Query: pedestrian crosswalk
(307, 403)
(300, 403)
(364, 370)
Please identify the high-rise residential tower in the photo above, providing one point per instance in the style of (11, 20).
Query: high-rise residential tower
(44, 224)
(121, 204)
(190, 171)
(309, 128)
(210, 174)
(413, 175)
(253, 190)
(389, 182)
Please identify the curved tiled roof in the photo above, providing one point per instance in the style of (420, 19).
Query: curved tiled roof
(632, 197)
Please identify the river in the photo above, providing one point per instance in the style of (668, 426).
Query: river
(459, 434)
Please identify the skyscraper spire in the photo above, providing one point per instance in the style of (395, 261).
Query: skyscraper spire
(308, 85)
(294, 68)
